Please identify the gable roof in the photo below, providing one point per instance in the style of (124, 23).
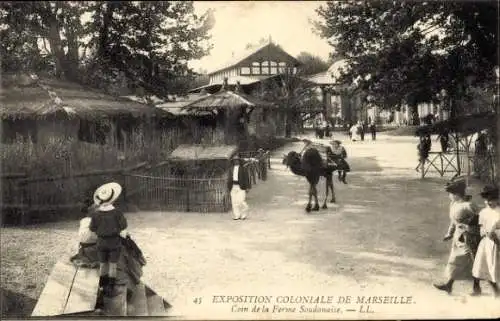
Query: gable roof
(237, 58)
(331, 76)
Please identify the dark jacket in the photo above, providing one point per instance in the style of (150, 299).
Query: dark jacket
(243, 178)
(106, 224)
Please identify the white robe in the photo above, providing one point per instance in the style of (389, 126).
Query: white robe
(238, 198)
(487, 260)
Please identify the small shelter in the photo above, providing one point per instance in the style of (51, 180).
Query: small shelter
(194, 178)
(462, 130)
(232, 110)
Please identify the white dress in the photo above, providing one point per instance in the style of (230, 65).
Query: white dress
(238, 198)
(355, 133)
(487, 261)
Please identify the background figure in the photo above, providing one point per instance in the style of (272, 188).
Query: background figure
(373, 130)
(480, 152)
(238, 184)
(362, 130)
(444, 139)
(424, 147)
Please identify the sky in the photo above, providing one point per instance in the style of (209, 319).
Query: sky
(238, 23)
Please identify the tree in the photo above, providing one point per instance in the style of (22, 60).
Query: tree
(311, 64)
(148, 43)
(409, 52)
(55, 24)
(293, 95)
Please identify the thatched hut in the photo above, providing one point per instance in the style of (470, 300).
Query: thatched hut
(40, 109)
(233, 110)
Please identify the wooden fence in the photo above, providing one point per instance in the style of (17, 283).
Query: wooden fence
(159, 187)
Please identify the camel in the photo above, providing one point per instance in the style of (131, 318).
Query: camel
(312, 167)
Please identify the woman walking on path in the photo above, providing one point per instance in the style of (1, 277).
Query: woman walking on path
(464, 233)
(487, 262)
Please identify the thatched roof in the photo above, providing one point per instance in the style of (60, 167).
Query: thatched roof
(225, 99)
(31, 97)
(464, 125)
(176, 107)
(200, 152)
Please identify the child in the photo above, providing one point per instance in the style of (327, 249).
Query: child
(109, 224)
(464, 234)
(338, 154)
(487, 261)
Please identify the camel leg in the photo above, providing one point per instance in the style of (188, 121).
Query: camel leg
(308, 207)
(327, 183)
(316, 204)
(333, 200)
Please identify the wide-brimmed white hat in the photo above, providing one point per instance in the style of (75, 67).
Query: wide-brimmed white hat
(107, 193)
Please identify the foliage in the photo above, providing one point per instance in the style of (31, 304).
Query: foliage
(293, 95)
(105, 43)
(311, 64)
(412, 52)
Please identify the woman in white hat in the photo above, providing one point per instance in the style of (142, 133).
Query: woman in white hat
(463, 232)
(107, 222)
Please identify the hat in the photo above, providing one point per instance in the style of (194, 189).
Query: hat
(456, 186)
(107, 193)
(490, 192)
(337, 142)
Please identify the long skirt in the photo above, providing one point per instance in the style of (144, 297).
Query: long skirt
(238, 202)
(487, 261)
(461, 257)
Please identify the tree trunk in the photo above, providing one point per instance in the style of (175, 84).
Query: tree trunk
(497, 151)
(104, 30)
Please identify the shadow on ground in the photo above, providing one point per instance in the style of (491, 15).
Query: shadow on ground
(382, 225)
(16, 305)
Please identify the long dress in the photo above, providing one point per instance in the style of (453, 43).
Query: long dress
(465, 237)
(487, 262)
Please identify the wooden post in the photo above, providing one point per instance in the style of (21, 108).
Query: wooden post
(457, 143)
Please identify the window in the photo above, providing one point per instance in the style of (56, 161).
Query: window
(256, 68)
(245, 70)
(265, 67)
(274, 67)
(282, 67)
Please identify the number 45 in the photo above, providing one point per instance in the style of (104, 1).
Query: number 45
(197, 300)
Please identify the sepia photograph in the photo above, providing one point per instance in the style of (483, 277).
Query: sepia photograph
(250, 160)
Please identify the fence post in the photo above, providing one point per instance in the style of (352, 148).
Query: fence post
(22, 198)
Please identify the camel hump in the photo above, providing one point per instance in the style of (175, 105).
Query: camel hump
(312, 160)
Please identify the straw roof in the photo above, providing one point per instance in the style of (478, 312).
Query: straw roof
(225, 99)
(31, 97)
(464, 125)
(176, 107)
(200, 152)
